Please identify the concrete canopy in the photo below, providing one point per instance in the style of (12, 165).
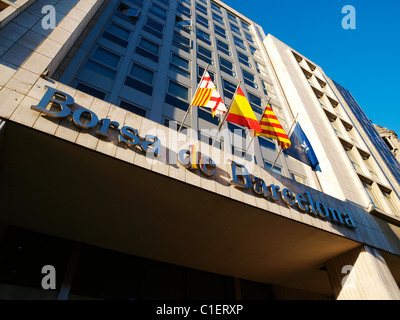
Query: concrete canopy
(59, 188)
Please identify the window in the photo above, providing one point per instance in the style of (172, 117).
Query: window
(182, 42)
(175, 125)
(89, 90)
(207, 116)
(215, 7)
(103, 62)
(249, 79)
(210, 140)
(220, 31)
(349, 130)
(367, 162)
(117, 34)
(227, 67)
(390, 201)
(154, 28)
(202, 21)
(204, 55)
(351, 156)
(249, 37)
(239, 42)
(255, 102)
(267, 143)
(265, 88)
(245, 25)
(184, 10)
(260, 68)
(184, 25)
(298, 178)
(253, 50)
(231, 17)
(333, 122)
(276, 169)
(127, 13)
(370, 192)
(241, 153)
(177, 95)
(235, 29)
(218, 18)
(158, 11)
(202, 9)
(201, 72)
(106, 57)
(130, 107)
(236, 129)
(203, 1)
(178, 90)
(141, 79)
(223, 47)
(229, 89)
(166, 2)
(180, 65)
(142, 73)
(203, 36)
(100, 69)
(244, 59)
(148, 49)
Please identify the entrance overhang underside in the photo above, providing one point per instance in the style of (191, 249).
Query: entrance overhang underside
(56, 187)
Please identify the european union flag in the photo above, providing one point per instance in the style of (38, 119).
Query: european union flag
(301, 149)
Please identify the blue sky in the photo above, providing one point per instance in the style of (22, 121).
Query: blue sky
(366, 61)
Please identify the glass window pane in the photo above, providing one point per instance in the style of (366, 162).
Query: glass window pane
(92, 91)
(101, 69)
(215, 7)
(178, 90)
(218, 18)
(155, 25)
(179, 61)
(104, 56)
(158, 11)
(119, 31)
(130, 107)
(144, 43)
(141, 73)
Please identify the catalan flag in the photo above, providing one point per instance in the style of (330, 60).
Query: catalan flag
(271, 128)
(207, 96)
(241, 112)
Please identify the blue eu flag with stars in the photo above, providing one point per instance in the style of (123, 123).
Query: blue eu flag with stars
(301, 149)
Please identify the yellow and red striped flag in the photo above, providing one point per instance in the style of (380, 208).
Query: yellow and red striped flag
(271, 128)
(207, 96)
(241, 112)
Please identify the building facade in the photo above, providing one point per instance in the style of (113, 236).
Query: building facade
(98, 183)
(390, 138)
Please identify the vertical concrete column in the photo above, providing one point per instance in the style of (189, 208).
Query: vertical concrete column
(362, 274)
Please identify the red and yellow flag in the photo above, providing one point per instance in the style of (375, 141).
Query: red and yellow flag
(241, 112)
(207, 96)
(271, 128)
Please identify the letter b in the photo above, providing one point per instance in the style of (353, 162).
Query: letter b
(57, 99)
(240, 180)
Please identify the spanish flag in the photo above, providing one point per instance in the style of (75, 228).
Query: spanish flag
(271, 128)
(241, 112)
(207, 96)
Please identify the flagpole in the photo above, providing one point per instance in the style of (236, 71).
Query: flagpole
(190, 106)
(289, 132)
(226, 114)
(269, 99)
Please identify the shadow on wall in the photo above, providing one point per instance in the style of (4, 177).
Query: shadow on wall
(20, 37)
